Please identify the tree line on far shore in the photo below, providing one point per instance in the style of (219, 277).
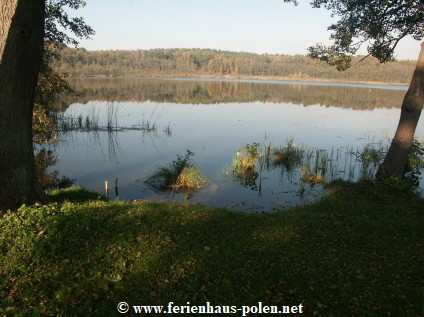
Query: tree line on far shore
(216, 63)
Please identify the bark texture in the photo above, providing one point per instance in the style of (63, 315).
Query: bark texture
(21, 50)
(397, 156)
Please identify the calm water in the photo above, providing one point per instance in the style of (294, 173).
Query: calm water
(214, 120)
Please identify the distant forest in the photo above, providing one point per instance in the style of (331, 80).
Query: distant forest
(222, 64)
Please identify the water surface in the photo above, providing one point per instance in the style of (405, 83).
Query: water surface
(215, 119)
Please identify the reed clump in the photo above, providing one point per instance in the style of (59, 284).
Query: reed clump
(289, 156)
(246, 158)
(179, 176)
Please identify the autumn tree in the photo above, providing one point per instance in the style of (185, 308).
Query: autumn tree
(379, 25)
(26, 26)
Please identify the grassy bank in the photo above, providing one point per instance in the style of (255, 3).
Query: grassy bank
(357, 252)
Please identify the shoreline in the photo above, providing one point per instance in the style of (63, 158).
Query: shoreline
(266, 79)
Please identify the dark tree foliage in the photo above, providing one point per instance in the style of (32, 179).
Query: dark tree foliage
(58, 21)
(60, 30)
(378, 24)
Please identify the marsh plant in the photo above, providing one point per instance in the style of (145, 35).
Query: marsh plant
(89, 121)
(371, 154)
(247, 157)
(244, 163)
(316, 166)
(369, 157)
(413, 169)
(168, 130)
(288, 157)
(149, 122)
(312, 178)
(179, 176)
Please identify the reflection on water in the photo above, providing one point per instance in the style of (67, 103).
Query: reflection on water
(213, 92)
(259, 145)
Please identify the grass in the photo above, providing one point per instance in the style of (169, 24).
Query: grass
(179, 176)
(75, 194)
(191, 177)
(90, 122)
(288, 156)
(357, 252)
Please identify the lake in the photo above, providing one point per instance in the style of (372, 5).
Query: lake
(261, 144)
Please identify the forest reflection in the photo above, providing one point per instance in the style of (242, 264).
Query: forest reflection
(213, 92)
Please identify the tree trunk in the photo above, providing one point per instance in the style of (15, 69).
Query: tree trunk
(21, 51)
(397, 156)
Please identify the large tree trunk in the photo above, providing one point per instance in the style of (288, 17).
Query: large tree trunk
(397, 156)
(21, 51)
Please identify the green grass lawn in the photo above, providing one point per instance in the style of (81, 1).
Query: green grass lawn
(357, 252)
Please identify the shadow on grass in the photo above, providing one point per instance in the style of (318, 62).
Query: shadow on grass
(75, 194)
(343, 256)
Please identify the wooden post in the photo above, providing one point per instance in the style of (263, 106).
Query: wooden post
(106, 189)
(116, 188)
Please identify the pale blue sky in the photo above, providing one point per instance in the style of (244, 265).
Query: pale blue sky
(259, 26)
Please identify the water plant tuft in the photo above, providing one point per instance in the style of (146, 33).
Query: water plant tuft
(288, 157)
(246, 158)
(179, 176)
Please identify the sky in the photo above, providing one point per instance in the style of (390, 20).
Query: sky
(257, 26)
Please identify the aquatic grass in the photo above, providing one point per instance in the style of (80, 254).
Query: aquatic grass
(246, 158)
(226, 171)
(310, 165)
(369, 157)
(310, 177)
(190, 178)
(149, 122)
(89, 121)
(80, 123)
(112, 118)
(147, 126)
(179, 176)
(288, 157)
(244, 163)
(371, 154)
(165, 177)
(168, 130)
(265, 160)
